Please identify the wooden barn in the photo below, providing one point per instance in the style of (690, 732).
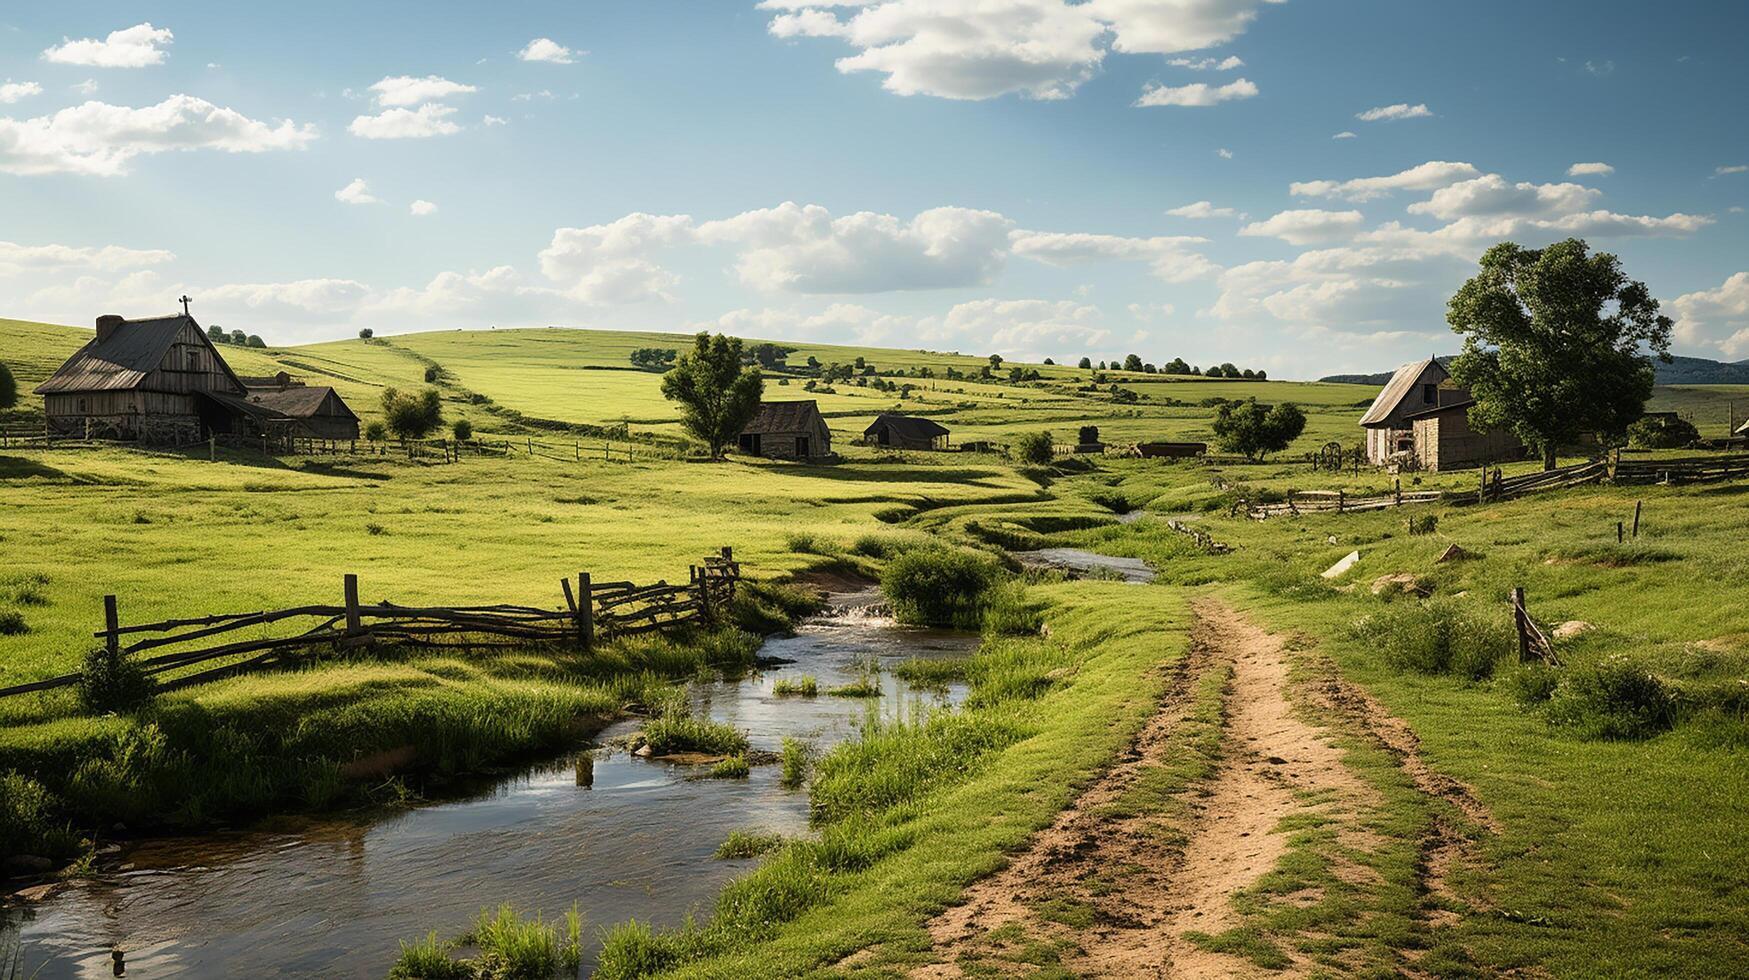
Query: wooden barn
(154, 380)
(317, 411)
(1414, 388)
(905, 432)
(1444, 439)
(787, 430)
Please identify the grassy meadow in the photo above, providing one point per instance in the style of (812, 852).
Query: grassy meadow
(1616, 781)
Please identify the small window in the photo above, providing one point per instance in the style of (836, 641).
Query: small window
(1429, 393)
(194, 360)
(81, 408)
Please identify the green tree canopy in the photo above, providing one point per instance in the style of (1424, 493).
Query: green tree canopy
(1132, 362)
(412, 416)
(8, 388)
(1251, 429)
(1034, 447)
(1554, 344)
(1086, 362)
(717, 395)
(653, 358)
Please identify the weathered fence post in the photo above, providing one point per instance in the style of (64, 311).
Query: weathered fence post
(111, 627)
(1637, 504)
(1618, 532)
(212, 449)
(586, 610)
(353, 624)
(1399, 491)
(1341, 499)
(1518, 617)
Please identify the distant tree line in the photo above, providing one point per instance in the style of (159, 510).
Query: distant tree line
(1177, 365)
(236, 338)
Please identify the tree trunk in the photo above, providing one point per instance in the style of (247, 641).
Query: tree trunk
(1548, 457)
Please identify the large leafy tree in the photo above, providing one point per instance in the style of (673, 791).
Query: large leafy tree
(8, 388)
(412, 416)
(1251, 429)
(1555, 344)
(718, 396)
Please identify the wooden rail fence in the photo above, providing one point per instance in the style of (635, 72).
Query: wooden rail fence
(1533, 643)
(592, 611)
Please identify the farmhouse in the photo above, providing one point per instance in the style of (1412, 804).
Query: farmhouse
(787, 430)
(905, 432)
(1444, 440)
(160, 380)
(1413, 388)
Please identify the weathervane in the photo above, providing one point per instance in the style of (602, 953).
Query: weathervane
(184, 300)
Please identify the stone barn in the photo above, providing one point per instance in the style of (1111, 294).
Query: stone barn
(1412, 389)
(787, 430)
(1444, 440)
(154, 380)
(905, 432)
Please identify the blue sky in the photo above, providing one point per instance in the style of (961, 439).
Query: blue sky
(1031, 177)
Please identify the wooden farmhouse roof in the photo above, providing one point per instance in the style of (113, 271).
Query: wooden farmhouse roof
(1398, 388)
(908, 426)
(122, 360)
(299, 401)
(794, 416)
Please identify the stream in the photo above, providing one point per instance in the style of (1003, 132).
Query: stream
(331, 896)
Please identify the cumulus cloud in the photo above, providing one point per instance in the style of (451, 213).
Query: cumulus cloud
(1590, 170)
(1491, 195)
(1304, 227)
(408, 90)
(546, 49)
(16, 258)
(1400, 110)
(101, 139)
(420, 209)
(1717, 318)
(356, 192)
(491, 120)
(1208, 64)
(133, 47)
(1202, 209)
(839, 322)
(1025, 329)
(1346, 134)
(11, 91)
(1196, 94)
(1428, 176)
(806, 250)
(981, 49)
(430, 119)
(1169, 256)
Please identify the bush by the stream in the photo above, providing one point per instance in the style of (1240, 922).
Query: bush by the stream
(1615, 697)
(1009, 612)
(112, 682)
(764, 608)
(939, 587)
(683, 733)
(1438, 636)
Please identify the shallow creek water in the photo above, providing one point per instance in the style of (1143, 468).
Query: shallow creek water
(1081, 562)
(331, 897)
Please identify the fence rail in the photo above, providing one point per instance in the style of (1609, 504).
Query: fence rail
(591, 612)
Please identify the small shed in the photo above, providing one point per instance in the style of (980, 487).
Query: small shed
(787, 430)
(1413, 388)
(906, 432)
(318, 412)
(1445, 440)
(1171, 450)
(152, 380)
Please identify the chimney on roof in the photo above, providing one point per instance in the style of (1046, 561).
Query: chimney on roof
(107, 326)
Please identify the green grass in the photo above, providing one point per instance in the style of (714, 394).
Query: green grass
(683, 733)
(743, 844)
(805, 685)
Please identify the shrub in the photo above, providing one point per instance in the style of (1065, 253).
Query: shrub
(27, 818)
(376, 431)
(12, 623)
(1252, 430)
(112, 682)
(1658, 432)
(1616, 697)
(938, 587)
(742, 844)
(1531, 684)
(1033, 447)
(412, 416)
(463, 430)
(1439, 636)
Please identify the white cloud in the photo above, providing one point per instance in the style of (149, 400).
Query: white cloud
(1020, 329)
(1169, 256)
(1208, 64)
(1734, 169)
(547, 49)
(1202, 209)
(1401, 110)
(133, 47)
(1590, 170)
(87, 87)
(1304, 227)
(806, 250)
(491, 120)
(1717, 318)
(356, 193)
(430, 119)
(11, 91)
(1224, 153)
(573, 251)
(839, 322)
(1346, 134)
(16, 259)
(544, 94)
(101, 139)
(420, 209)
(1491, 195)
(1196, 94)
(1424, 177)
(407, 90)
(981, 49)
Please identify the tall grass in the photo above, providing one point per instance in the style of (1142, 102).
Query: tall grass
(682, 733)
(1438, 636)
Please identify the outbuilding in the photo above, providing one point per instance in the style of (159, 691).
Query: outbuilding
(787, 430)
(317, 411)
(1445, 440)
(906, 432)
(157, 380)
(1412, 389)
